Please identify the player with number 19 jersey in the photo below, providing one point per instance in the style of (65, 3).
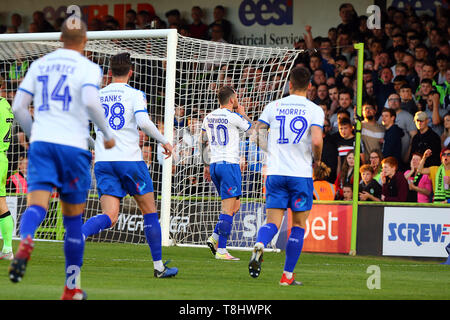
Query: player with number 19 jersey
(289, 140)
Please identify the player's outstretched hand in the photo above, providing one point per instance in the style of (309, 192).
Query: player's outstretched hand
(168, 150)
(110, 143)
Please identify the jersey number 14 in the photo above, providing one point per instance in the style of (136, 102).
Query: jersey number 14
(56, 94)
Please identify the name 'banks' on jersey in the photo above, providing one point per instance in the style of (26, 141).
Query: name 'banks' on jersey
(121, 102)
(223, 127)
(55, 81)
(289, 139)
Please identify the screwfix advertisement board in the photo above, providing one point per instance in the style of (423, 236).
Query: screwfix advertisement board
(416, 232)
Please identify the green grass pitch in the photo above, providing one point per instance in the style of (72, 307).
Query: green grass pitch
(125, 272)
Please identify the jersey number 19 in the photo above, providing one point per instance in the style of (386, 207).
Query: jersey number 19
(293, 127)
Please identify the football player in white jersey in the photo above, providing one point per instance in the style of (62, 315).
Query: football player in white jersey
(221, 131)
(64, 88)
(122, 170)
(294, 141)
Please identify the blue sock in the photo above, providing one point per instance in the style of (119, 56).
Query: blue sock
(73, 248)
(224, 229)
(152, 230)
(96, 224)
(266, 233)
(294, 248)
(31, 219)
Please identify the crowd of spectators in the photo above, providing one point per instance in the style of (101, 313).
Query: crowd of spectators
(406, 103)
(217, 30)
(405, 116)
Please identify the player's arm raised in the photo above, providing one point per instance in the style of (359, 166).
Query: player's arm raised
(143, 121)
(90, 97)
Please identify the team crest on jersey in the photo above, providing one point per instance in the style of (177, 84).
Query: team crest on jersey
(232, 190)
(299, 202)
(139, 188)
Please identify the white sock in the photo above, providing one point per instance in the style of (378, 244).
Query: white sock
(288, 274)
(222, 250)
(215, 236)
(158, 265)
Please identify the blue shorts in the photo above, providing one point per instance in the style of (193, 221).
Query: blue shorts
(284, 192)
(227, 179)
(66, 168)
(119, 178)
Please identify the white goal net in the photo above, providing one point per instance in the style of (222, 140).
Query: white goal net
(180, 77)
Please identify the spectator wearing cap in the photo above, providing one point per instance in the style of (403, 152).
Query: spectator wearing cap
(426, 139)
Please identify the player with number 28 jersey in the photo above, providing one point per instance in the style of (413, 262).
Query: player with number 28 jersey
(121, 103)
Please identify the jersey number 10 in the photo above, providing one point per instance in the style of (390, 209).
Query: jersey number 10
(293, 127)
(221, 133)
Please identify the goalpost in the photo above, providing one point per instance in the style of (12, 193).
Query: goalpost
(180, 77)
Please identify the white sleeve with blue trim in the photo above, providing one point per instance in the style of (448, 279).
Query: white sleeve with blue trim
(20, 109)
(28, 83)
(265, 116)
(318, 117)
(240, 122)
(143, 121)
(90, 98)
